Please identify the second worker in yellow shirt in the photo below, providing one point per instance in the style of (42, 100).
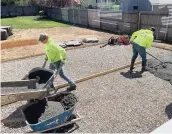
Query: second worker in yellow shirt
(141, 40)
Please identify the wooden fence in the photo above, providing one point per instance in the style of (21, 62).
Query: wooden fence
(115, 21)
(112, 21)
(12, 11)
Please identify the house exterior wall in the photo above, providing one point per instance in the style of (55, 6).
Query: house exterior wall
(92, 2)
(143, 5)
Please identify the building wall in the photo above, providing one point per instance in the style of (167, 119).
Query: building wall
(143, 5)
(92, 2)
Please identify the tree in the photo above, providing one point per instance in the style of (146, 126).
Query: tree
(18, 2)
(7, 2)
(57, 3)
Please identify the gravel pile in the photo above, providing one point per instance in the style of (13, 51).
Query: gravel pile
(15, 120)
(68, 101)
(52, 109)
(163, 71)
(12, 120)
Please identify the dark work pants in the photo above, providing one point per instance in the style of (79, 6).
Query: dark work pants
(141, 51)
(62, 74)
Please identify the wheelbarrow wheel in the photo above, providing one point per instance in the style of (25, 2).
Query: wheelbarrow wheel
(43, 75)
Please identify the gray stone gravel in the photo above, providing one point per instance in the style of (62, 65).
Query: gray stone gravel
(114, 104)
(53, 109)
(10, 115)
(80, 62)
(111, 103)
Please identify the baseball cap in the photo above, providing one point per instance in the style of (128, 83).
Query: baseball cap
(152, 29)
(42, 37)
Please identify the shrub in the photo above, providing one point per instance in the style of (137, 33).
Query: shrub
(41, 13)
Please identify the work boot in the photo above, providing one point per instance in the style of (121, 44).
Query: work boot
(73, 87)
(144, 69)
(132, 66)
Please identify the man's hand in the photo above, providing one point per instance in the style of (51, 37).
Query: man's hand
(46, 58)
(63, 61)
(131, 42)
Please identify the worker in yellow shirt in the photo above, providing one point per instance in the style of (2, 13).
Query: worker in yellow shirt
(141, 40)
(56, 55)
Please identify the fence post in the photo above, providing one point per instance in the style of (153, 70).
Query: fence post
(139, 20)
(100, 20)
(165, 37)
(87, 19)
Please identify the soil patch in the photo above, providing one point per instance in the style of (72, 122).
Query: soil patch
(59, 35)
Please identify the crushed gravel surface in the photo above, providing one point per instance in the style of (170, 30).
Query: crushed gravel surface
(12, 119)
(114, 104)
(111, 103)
(80, 62)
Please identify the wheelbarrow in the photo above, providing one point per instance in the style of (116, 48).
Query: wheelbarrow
(31, 111)
(37, 76)
(66, 99)
(32, 114)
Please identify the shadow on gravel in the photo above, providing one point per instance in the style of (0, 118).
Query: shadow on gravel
(168, 111)
(15, 119)
(132, 75)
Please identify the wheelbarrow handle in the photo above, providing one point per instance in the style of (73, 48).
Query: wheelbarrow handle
(56, 72)
(155, 57)
(45, 62)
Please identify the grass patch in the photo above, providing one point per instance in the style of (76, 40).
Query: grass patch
(30, 22)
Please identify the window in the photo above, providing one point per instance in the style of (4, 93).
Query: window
(135, 8)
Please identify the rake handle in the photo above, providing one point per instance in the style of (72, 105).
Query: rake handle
(155, 57)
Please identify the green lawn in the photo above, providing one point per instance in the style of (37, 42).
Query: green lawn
(30, 22)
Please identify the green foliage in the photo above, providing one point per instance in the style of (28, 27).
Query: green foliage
(7, 2)
(17, 2)
(22, 2)
(80, 6)
(41, 13)
(110, 7)
(83, 5)
(116, 7)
